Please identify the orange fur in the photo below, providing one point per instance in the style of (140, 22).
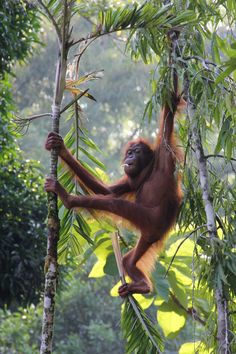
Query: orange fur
(147, 262)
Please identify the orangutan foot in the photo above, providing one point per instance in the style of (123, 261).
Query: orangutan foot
(140, 287)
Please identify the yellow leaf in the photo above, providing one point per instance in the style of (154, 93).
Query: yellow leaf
(73, 90)
(158, 301)
(102, 250)
(182, 278)
(143, 301)
(171, 322)
(76, 91)
(69, 82)
(171, 318)
(114, 290)
(192, 348)
(188, 348)
(186, 249)
(97, 270)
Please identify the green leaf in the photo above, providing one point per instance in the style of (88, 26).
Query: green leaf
(224, 133)
(222, 44)
(82, 223)
(83, 234)
(107, 20)
(221, 276)
(215, 49)
(92, 158)
(89, 168)
(178, 290)
(187, 16)
(110, 267)
(86, 140)
(186, 249)
(144, 301)
(225, 73)
(161, 283)
(229, 148)
(232, 52)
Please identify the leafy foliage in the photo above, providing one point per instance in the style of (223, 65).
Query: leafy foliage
(138, 330)
(22, 240)
(22, 210)
(216, 122)
(81, 322)
(75, 232)
(201, 264)
(17, 40)
(19, 330)
(22, 233)
(91, 324)
(215, 119)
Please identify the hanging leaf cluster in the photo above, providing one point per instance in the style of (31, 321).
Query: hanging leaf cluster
(147, 24)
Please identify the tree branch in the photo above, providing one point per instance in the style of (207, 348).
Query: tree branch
(73, 101)
(51, 18)
(220, 156)
(221, 301)
(190, 310)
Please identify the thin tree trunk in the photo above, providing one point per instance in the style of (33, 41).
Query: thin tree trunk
(221, 302)
(51, 266)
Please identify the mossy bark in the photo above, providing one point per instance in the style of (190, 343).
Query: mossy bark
(51, 265)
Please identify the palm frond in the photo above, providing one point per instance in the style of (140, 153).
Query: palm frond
(132, 16)
(141, 335)
(75, 232)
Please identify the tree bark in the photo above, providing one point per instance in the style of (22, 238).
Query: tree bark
(51, 266)
(221, 301)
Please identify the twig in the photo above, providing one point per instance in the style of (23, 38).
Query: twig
(79, 55)
(190, 311)
(205, 62)
(220, 224)
(30, 118)
(118, 256)
(25, 122)
(93, 36)
(122, 238)
(221, 156)
(73, 101)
